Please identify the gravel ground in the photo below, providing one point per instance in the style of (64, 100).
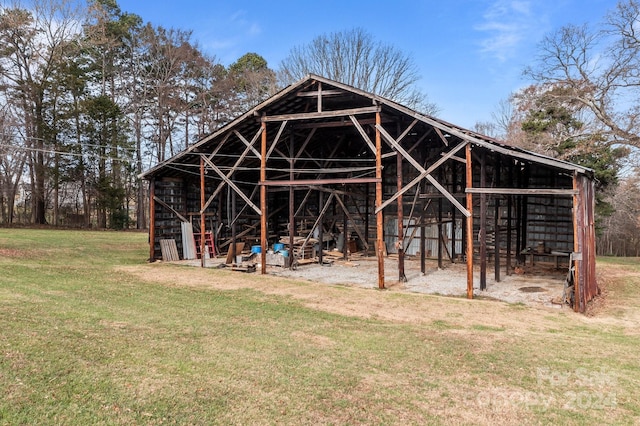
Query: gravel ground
(547, 284)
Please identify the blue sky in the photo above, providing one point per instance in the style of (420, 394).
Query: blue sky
(470, 53)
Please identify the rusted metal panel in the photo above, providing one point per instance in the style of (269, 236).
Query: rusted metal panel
(586, 283)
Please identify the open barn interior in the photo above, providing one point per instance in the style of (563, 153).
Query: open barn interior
(323, 172)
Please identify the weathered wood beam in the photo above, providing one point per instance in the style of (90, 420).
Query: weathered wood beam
(152, 220)
(232, 185)
(378, 210)
(396, 146)
(315, 93)
(167, 206)
(263, 199)
(469, 223)
(250, 144)
(275, 141)
(521, 191)
(311, 182)
(364, 135)
(442, 138)
(203, 240)
(346, 212)
(233, 169)
(424, 174)
(320, 115)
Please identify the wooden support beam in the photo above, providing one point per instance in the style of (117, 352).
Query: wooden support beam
(324, 93)
(263, 199)
(448, 195)
(355, 228)
(305, 143)
(321, 115)
(469, 224)
(233, 169)
(320, 229)
(379, 217)
(397, 147)
(522, 191)
(318, 220)
(232, 185)
(364, 135)
(577, 290)
(250, 144)
(167, 206)
(483, 222)
(312, 182)
(496, 221)
(203, 240)
(152, 220)
(440, 227)
(423, 175)
(402, 277)
(292, 196)
(277, 139)
(442, 138)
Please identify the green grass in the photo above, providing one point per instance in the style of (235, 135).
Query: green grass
(82, 342)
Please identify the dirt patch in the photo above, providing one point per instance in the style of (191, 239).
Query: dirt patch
(396, 304)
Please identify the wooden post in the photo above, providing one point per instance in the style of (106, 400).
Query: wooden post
(292, 194)
(401, 274)
(483, 222)
(577, 296)
(509, 221)
(263, 199)
(321, 229)
(440, 239)
(152, 220)
(233, 225)
(345, 230)
(367, 208)
(379, 217)
(496, 222)
(203, 241)
(454, 179)
(469, 227)
(423, 241)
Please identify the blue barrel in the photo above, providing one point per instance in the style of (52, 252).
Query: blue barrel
(278, 247)
(256, 249)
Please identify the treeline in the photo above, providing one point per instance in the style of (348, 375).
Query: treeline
(90, 96)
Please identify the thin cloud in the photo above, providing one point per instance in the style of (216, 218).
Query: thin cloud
(507, 24)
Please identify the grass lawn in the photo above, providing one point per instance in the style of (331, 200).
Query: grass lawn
(92, 334)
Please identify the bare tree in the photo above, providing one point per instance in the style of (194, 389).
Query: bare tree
(597, 68)
(33, 42)
(355, 58)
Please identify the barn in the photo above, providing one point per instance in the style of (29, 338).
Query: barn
(322, 165)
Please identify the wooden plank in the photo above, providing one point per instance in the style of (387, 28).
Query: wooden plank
(167, 206)
(521, 191)
(311, 182)
(320, 115)
(238, 250)
(169, 250)
(364, 135)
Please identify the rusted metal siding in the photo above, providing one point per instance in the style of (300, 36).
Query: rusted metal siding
(585, 265)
